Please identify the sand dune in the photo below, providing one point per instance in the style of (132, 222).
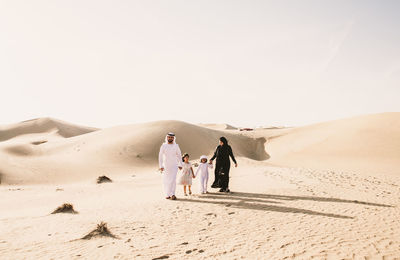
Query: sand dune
(368, 143)
(113, 150)
(43, 126)
(49, 150)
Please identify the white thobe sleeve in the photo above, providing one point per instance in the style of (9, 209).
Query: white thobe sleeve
(160, 157)
(179, 155)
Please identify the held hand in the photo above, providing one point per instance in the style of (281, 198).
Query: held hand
(161, 169)
(210, 162)
(235, 164)
(180, 168)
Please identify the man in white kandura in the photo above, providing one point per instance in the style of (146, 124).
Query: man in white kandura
(170, 160)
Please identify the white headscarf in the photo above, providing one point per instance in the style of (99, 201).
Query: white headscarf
(203, 157)
(170, 134)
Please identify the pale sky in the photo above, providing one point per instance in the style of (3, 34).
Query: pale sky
(247, 63)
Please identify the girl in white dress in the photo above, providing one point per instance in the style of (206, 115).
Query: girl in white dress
(203, 172)
(186, 175)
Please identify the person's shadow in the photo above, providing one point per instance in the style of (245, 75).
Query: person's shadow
(269, 202)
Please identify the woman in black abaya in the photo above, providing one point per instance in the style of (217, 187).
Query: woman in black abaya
(223, 165)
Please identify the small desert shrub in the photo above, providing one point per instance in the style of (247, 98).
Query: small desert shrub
(39, 142)
(100, 231)
(65, 208)
(103, 179)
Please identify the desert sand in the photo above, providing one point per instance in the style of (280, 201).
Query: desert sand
(324, 191)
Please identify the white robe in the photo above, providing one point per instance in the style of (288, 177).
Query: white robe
(170, 159)
(203, 172)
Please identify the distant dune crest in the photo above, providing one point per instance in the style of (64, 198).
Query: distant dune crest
(219, 126)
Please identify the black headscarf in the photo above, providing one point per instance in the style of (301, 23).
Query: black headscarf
(223, 152)
(223, 139)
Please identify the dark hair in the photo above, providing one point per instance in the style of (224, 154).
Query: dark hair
(184, 155)
(223, 139)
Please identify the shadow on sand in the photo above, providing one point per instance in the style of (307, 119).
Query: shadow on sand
(259, 201)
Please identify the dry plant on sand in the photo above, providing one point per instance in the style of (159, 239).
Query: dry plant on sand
(100, 231)
(103, 179)
(65, 208)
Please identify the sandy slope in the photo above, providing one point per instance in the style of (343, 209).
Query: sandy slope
(368, 143)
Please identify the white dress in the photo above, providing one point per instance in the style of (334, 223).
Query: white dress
(203, 172)
(185, 176)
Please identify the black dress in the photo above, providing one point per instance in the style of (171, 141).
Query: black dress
(222, 166)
